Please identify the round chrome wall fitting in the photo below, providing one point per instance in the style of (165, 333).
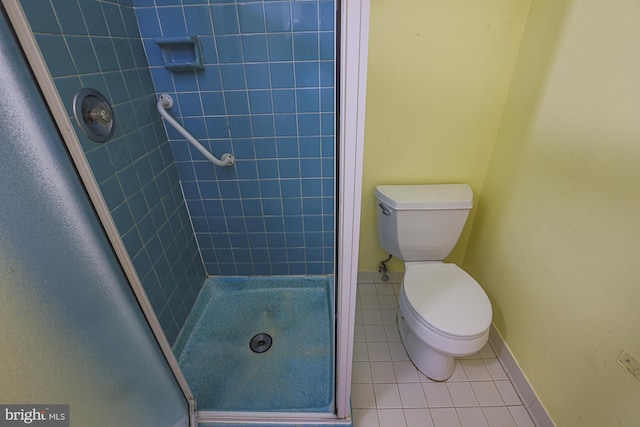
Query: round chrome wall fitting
(260, 343)
(93, 114)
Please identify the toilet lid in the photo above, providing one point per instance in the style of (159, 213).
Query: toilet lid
(447, 299)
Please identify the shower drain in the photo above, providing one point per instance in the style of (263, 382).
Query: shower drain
(260, 343)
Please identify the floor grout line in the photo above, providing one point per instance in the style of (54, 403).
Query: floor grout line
(382, 372)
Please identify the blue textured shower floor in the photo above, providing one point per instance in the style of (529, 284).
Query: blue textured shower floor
(295, 374)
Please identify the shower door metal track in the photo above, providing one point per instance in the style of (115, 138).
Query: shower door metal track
(266, 418)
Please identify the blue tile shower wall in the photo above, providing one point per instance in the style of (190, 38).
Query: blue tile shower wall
(266, 94)
(89, 43)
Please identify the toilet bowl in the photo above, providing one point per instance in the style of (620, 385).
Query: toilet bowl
(443, 312)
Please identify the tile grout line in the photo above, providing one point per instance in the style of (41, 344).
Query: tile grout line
(378, 330)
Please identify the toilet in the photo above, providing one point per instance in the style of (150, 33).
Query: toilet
(443, 312)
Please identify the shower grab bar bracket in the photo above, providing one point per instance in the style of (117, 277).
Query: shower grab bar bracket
(165, 102)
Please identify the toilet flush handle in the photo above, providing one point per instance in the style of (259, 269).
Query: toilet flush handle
(385, 210)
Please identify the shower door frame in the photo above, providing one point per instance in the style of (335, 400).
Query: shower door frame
(353, 16)
(352, 85)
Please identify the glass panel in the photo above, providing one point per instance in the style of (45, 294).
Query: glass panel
(72, 332)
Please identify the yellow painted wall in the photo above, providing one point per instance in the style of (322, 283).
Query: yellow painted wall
(556, 239)
(437, 81)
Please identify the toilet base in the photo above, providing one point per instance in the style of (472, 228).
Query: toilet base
(434, 364)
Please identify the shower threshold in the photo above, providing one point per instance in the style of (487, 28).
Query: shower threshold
(215, 418)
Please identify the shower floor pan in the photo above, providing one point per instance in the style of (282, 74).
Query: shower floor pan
(296, 371)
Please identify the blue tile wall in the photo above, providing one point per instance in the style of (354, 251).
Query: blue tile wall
(267, 95)
(135, 169)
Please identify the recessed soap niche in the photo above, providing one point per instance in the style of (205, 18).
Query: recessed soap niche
(180, 53)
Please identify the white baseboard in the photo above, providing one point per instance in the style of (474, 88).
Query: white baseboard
(530, 400)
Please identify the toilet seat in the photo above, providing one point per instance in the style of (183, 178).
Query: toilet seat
(446, 300)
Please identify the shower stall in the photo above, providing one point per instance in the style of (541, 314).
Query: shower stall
(245, 273)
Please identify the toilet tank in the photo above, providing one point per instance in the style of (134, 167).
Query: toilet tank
(421, 222)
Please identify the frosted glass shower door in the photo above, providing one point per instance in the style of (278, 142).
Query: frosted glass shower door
(71, 330)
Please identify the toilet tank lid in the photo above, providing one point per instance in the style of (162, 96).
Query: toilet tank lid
(434, 196)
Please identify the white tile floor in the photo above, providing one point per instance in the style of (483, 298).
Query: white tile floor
(388, 391)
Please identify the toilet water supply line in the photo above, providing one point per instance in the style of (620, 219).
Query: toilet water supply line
(164, 103)
(382, 268)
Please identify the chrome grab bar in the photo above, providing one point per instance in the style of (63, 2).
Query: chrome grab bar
(165, 102)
